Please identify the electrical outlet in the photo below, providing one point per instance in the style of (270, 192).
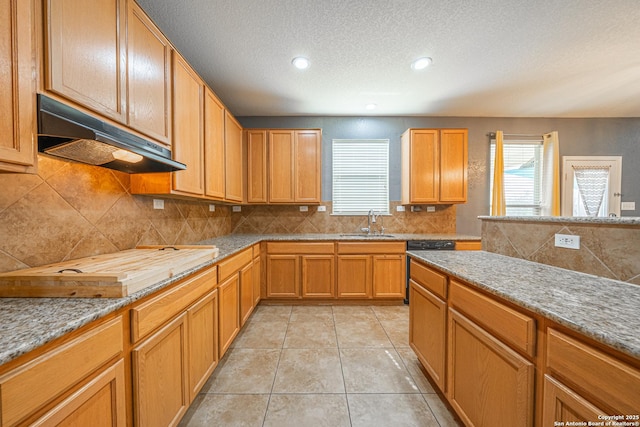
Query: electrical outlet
(431, 208)
(322, 208)
(212, 208)
(236, 208)
(158, 204)
(628, 206)
(568, 241)
(400, 208)
(304, 208)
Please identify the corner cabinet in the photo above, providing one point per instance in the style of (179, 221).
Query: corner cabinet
(434, 166)
(17, 87)
(284, 166)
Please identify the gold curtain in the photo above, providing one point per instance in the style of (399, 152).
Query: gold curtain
(498, 205)
(551, 174)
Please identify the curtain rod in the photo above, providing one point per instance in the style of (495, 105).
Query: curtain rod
(530, 135)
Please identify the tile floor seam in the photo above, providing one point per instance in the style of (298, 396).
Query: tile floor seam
(344, 383)
(275, 374)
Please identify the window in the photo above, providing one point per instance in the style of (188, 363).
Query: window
(360, 176)
(522, 176)
(591, 185)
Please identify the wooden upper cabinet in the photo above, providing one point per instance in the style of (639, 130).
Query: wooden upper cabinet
(434, 166)
(148, 76)
(256, 143)
(188, 147)
(85, 58)
(234, 183)
(308, 148)
(294, 166)
(17, 87)
(214, 155)
(453, 165)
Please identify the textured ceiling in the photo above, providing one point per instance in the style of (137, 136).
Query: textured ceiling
(491, 58)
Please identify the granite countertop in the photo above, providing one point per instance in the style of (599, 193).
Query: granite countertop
(28, 323)
(603, 309)
(622, 220)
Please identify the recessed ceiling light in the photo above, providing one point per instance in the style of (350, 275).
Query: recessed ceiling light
(421, 63)
(371, 106)
(300, 62)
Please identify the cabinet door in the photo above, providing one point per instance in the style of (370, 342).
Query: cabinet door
(453, 165)
(17, 87)
(257, 280)
(488, 384)
(246, 293)
(427, 331)
(148, 76)
(203, 341)
(256, 166)
(283, 276)
(318, 276)
(308, 171)
(233, 158)
(100, 403)
(187, 127)
(160, 376)
(281, 166)
(86, 54)
(560, 403)
(228, 316)
(354, 276)
(421, 166)
(214, 167)
(389, 276)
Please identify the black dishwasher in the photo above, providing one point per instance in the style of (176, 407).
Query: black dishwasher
(425, 245)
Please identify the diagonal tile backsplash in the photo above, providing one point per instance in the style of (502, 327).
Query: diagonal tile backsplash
(71, 210)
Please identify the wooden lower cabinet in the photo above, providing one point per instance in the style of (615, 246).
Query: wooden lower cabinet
(428, 331)
(100, 403)
(354, 276)
(247, 301)
(389, 275)
(257, 277)
(228, 316)
(160, 375)
(318, 273)
(283, 276)
(489, 384)
(561, 404)
(203, 341)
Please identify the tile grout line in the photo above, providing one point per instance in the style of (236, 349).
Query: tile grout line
(344, 383)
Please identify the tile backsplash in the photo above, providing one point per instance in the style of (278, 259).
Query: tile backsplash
(611, 251)
(71, 210)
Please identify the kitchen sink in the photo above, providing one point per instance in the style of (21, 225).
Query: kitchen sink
(369, 236)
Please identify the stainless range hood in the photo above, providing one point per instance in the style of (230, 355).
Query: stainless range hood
(73, 135)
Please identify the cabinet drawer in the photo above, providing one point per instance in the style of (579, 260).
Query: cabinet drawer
(38, 382)
(515, 328)
(232, 265)
(593, 372)
(151, 314)
(372, 247)
(430, 279)
(300, 248)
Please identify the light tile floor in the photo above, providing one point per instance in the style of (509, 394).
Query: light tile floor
(308, 366)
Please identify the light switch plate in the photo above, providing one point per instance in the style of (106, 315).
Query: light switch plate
(158, 204)
(212, 208)
(568, 241)
(628, 206)
(236, 208)
(400, 208)
(431, 208)
(304, 208)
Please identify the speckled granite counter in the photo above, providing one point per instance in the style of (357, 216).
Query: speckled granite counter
(605, 310)
(28, 323)
(610, 221)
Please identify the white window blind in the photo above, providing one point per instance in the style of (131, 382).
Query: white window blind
(522, 176)
(360, 176)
